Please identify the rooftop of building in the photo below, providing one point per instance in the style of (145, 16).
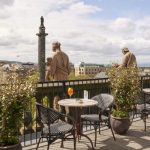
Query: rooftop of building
(83, 64)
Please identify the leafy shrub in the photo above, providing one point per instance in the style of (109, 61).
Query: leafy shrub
(125, 86)
(14, 99)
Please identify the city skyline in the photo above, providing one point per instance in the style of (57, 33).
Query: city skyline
(90, 31)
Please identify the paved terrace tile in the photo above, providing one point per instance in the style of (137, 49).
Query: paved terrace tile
(135, 139)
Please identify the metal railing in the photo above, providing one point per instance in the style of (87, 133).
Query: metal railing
(59, 88)
(46, 91)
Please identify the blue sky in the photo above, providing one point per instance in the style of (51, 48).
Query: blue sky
(92, 31)
(121, 8)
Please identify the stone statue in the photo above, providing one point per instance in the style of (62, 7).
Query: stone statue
(42, 21)
(60, 68)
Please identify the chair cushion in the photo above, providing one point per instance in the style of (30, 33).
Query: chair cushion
(93, 117)
(141, 107)
(58, 128)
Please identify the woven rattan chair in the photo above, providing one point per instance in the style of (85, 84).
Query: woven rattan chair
(143, 106)
(53, 126)
(105, 102)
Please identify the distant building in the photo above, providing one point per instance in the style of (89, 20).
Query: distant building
(7, 67)
(101, 75)
(145, 70)
(89, 69)
(30, 66)
(72, 69)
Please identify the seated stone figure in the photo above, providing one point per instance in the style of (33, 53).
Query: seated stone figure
(55, 104)
(48, 69)
(57, 107)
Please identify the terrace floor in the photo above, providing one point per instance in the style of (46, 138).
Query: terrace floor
(135, 139)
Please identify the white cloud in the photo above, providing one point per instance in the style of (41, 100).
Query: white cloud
(70, 21)
(4, 3)
(123, 25)
(80, 8)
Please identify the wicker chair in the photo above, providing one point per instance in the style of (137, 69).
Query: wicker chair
(105, 102)
(143, 106)
(53, 126)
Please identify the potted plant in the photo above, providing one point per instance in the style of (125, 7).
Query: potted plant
(125, 86)
(14, 99)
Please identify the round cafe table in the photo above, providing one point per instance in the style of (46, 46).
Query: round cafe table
(77, 104)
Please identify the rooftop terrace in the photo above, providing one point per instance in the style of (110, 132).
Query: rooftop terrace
(135, 139)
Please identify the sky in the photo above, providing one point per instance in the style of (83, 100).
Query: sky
(93, 31)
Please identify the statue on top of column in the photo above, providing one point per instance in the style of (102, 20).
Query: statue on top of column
(42, 21)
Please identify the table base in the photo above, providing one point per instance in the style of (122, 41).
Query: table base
(84, 135)
(78, 125)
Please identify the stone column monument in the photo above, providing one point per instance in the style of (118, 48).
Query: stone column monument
(41, 50)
